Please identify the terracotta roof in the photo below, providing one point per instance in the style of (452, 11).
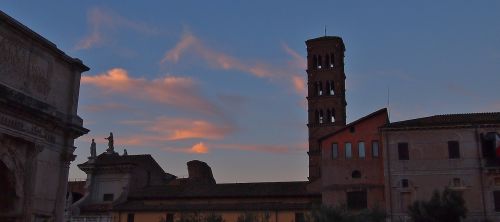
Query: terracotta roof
(382, 111)
(448, 120)
(228, 190)
(254, 206)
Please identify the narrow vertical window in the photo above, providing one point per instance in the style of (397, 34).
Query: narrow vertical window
(332, 60)
(333, 116)
(320, 62)
(335, 151)
(361, 150)
(453, 150)
(403, 151)
(331, 87)
(375, 149)
(320, 88)
(348, 150)
(327, 61)
(321, 116)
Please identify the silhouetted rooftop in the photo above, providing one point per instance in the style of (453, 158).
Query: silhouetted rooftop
(448, 120)
(227, 190)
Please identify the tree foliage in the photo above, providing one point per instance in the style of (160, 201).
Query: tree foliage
(342, 214)
(446, 207)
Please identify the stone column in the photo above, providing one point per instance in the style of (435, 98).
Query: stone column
(66, 158)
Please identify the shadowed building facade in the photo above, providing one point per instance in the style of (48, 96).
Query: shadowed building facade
(39, 90)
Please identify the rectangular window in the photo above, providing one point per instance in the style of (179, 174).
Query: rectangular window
(453, 150)
(299, 217)
(356, 200)
(375, 149)
(404, 183)
(361, 150)
(130, 217)
(348, 151)
(496, 197)
(335, 150)
(170, 217)
(403, 151)
(108, 197)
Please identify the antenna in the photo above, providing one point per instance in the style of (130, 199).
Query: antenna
(325, 30)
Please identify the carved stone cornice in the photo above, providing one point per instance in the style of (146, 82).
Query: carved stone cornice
(25, 105)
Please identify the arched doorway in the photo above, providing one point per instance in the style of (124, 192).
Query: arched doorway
(7, 188)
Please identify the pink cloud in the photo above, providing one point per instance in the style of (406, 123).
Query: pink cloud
(176, 91)
(199, 148)
(191, 44)
(165, 129)
(299, 84)
(298, 60)
(101, 23)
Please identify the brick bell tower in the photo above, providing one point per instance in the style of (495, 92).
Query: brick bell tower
(326, 94)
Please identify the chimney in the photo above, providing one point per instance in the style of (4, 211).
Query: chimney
(200, 172)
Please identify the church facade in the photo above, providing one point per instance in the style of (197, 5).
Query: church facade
(39, 90)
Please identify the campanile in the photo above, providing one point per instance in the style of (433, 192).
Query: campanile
(326, 94)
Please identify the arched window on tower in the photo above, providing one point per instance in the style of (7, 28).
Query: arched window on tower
(321, 120)
(327, 61)
(320, 62)
(328, 116)
(331, 87)
(320, 88)
(332, 117)
(314, 62)
(332, 60)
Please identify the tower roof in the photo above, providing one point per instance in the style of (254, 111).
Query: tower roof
(324, 38)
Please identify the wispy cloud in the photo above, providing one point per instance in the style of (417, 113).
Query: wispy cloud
(102, 23)
(266, 148)
(176, 91)
(189, 43)
(166, 129)
(198, 148)
(298, 60)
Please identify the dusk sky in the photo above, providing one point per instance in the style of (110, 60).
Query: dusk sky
(224, 81)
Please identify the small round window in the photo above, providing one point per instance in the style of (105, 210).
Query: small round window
(356, 174)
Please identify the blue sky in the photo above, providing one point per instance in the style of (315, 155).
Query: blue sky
(222, 81)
